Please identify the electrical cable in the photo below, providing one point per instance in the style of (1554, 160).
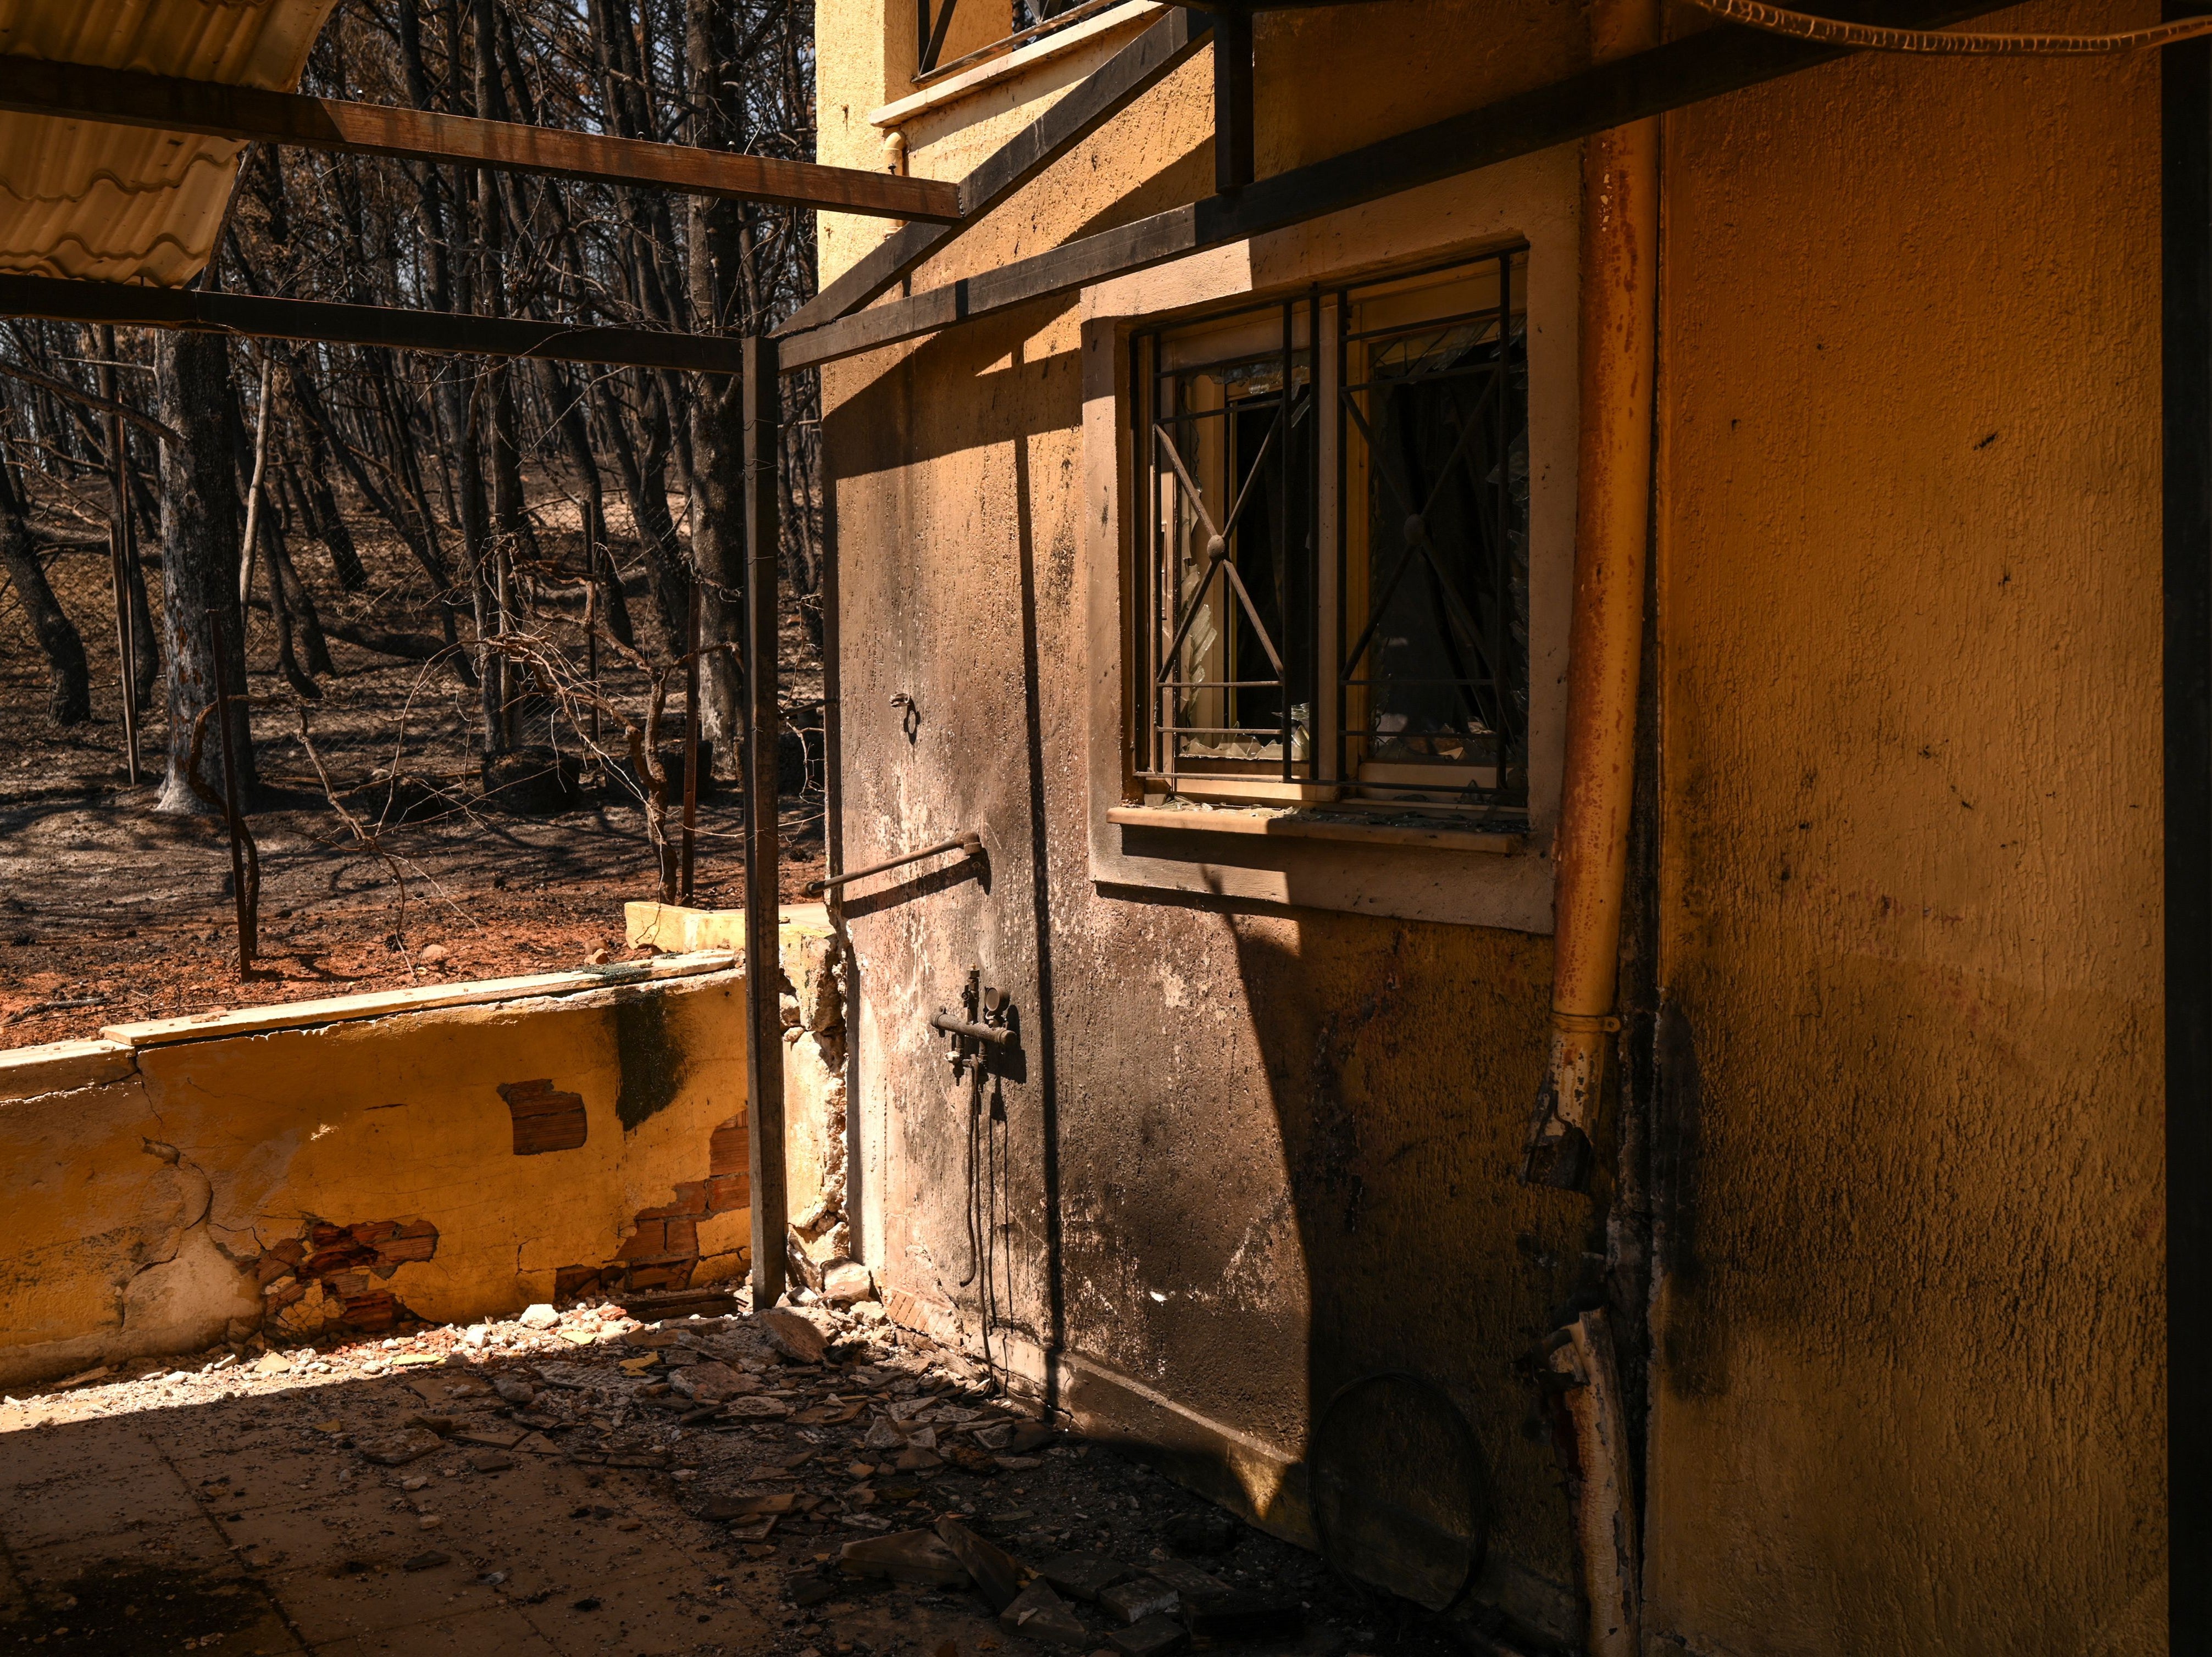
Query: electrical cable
(1867, 37)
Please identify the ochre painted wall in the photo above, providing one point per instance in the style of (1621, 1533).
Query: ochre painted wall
(333, 1177)
(1909, 1365)
(1907, 1362)
(1255, 1155)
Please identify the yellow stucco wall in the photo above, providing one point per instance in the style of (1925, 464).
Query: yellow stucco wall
(1907, 1359)
(160, 1198)
(1910, 1355)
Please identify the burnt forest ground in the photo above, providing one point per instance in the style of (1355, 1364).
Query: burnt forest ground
(112, 913)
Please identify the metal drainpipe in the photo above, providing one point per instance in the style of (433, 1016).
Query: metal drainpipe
(1618, 323)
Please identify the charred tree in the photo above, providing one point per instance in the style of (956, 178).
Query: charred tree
(70, 700)
(199, 557)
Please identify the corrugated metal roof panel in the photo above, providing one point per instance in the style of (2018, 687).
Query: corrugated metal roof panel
(119, 203)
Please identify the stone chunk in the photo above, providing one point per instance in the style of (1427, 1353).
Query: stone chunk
(884, 1436)
(1133, 1602)
(792, 1334)
(397, 1449)
(513, 1388)
(844, 1281)
(540, 1316)
(746, 1507)
(1084, 1575)
(915, 1460)
(493, 1438)
(1186, 1579)
(1000, 1577)
(913, 1556)
(1155, 1636)
(1038, 1613)
(712, 1383)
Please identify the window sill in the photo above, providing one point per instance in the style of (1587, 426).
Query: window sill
(1044, 50)
(1295, 824)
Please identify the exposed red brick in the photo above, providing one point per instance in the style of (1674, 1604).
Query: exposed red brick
(726, 1150)
(648, 1241)
(725, 1191)
(683, 1236)
(545, 1118)
(417, 1239)
(574, 1283)
(373, 1310)
(671, 1275)
(690, 1201)
(370, 1233)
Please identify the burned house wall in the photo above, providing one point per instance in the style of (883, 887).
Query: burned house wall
(1251, 1154)
(323, 1181)
(1908, 1226)
(1910, 1352)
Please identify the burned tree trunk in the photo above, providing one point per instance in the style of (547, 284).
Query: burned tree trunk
(70, 701)
(722, 300)
(200, 555)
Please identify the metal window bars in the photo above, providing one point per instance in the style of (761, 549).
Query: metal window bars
(1221, 509)
(1427, 671)
(1432, 689)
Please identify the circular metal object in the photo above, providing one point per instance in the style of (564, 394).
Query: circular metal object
(1399, 1490)
(1417, 530)
(1215, 546)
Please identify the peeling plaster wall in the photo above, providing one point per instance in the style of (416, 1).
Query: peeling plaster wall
(1907, 1370)
(162, 1199)
(1909, 1385)
(1254, 1154)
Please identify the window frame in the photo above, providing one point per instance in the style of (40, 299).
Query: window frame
(1324, 333)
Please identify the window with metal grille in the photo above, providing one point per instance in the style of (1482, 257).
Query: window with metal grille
(1329, 592)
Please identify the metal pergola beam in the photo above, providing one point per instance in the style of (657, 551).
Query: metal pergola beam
(1109, 89)
(1724, 60)
(122, 305)
(128, 98)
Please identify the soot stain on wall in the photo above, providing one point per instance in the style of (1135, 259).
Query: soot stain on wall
(654, 1061)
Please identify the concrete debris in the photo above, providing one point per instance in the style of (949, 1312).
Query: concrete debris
(999, 1577)
(1134, 1601)
(1084, 1575)
(1038, 1613)
(540, 1316)
(844, 1283)
(881, 1480)
(913, 1556)
(711, 1382)
(397, 1449)
(793, 1335)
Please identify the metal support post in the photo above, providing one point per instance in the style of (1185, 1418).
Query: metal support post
(763, 969)
(1233, 157)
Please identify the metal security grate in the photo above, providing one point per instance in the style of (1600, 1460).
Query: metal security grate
(1432, 548)
(1228, 550)
(1391, 668)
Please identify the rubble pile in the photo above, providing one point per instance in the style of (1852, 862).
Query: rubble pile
(872, 1491)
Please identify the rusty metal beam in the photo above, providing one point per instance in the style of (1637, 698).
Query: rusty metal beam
(763, 856)
(124, 306)
(128, 98)
(1093, 101)
(1724, 60)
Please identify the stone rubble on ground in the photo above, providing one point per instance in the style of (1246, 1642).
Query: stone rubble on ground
(863, 1456)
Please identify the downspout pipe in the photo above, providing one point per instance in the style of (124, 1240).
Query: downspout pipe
(1619, 348)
